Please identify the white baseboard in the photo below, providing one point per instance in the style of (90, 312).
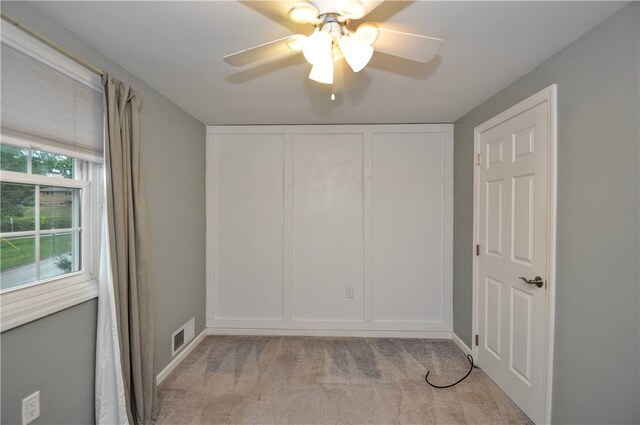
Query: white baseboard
(331, 325)
(464, 347)
(332, 333)
(180, 357)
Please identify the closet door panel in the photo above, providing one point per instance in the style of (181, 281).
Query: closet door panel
(408, 230)
(328, 238)
(248, 219)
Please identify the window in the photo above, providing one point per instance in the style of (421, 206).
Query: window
(49, 215)
(41, 224)
(51, 141)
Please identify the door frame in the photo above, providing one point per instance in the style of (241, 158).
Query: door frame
(548, 94)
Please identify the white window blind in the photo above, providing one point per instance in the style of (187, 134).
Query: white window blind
(46, 96)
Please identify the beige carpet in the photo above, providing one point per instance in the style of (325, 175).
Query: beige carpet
(300, 380)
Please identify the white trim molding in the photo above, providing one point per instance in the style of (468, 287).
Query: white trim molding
(333, 325)
(330, 128)
(328, 333)
(460, 343)
(19, 308)
(549, 95)
(164, 373)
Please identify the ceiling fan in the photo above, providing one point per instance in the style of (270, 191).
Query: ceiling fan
(331, 41)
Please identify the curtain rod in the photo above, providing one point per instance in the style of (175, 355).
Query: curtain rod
(52, 44)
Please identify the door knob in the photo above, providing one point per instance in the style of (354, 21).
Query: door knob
(536, 281)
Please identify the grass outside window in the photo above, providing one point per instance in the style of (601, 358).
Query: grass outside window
(20, 251)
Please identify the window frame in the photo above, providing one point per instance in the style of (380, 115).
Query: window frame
(34, 300)
(29, 303)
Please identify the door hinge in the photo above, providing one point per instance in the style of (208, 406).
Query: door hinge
(477, 159)
(477, 339)
(477, 249)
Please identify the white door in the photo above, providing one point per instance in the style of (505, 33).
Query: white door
(513, 224)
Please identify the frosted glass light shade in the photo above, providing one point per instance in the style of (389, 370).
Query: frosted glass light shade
(356, 52)
(352, 9)
(322, 71)
(317, 47)
(303, 13)
(296, 43)
(368, 33)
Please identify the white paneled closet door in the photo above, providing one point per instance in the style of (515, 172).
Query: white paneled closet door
(330, 230)
(409, 198)
(249, 223)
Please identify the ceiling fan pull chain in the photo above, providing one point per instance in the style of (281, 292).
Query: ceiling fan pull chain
(333, 81)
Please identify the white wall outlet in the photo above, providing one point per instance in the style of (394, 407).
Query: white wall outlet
(31, 408)
(349, 292)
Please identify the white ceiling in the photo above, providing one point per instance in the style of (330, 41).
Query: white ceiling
(177, 48)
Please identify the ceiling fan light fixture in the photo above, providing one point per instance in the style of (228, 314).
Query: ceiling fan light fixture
(367, 33)
(296, 43)
(352, 9)
(303, 13)
(317, 47)
(322, 71)
(356, 52)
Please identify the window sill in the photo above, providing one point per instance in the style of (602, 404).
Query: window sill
(25, 305)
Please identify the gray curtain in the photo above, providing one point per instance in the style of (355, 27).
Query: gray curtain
(129, 248)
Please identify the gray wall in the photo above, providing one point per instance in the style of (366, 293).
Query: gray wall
(55, 355)
(597, 309)
(174, 172)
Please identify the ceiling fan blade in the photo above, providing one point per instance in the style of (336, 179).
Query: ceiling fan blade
(380, 11)
(279, 12)
(286, 45)
(371, 5)
(419, 48)
(349, 9)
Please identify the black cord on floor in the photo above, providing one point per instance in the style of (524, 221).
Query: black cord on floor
(473, 366)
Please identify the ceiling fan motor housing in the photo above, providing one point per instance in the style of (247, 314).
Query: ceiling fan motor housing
(346, 9)
(331, 24)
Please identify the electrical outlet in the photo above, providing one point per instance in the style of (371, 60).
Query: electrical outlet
(31, 408)
(349, 292)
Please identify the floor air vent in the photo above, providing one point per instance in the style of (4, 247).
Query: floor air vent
(182, 336)
(178, 340)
